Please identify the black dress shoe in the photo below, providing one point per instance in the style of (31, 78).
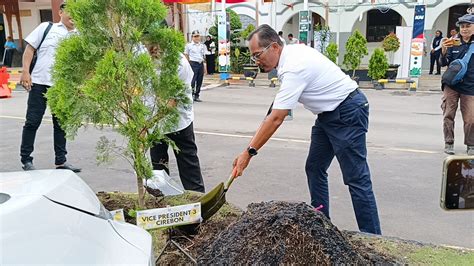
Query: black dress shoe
(197, 100)
(28, 166)
(69, 166)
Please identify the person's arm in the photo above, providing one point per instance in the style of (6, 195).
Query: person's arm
(186, 52)
(446, 53)
(266, 130)
(25, 78)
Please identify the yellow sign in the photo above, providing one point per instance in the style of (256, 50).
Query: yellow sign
(170, 216)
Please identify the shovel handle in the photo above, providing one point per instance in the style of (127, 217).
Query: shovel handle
(229, 182)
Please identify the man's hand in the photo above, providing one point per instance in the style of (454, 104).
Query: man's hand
(25, 80)
(240, 163)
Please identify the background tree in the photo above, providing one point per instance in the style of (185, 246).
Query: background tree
(356, 49)
(391, 44)
(378, 64)
(101, 76)
(332, 52)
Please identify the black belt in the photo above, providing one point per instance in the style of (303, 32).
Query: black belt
(196, 62)
(352, 94)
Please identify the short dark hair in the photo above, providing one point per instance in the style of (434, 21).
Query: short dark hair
(280, 33)
(266, 35)
(290, 35)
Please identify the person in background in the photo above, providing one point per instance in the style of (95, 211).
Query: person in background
(280, 34)
(453, 33)
(463, 92)
(38, 83)
(10, 44)
(195, 52)
(182, 135)
(292, 40)
(10, 48)
(210, 55)
(436, 52)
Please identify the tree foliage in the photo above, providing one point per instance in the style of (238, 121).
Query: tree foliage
(103, 76)
(378, 64)
(356, 49)
(391, 43)
(332, 52)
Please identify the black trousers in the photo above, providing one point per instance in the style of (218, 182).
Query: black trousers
(211, 63)
(187, 159)
(196, 83)
(34, 114)
(434, 57)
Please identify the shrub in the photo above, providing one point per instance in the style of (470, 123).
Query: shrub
(332, 52)
(391, 44)
(356, 49)
(378, 64)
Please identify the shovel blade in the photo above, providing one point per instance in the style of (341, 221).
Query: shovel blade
(212, 201)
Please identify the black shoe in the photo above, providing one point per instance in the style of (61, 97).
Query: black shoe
(431, 73)
(69, 166)
(28, 166)
(197, 100)
(438, 74)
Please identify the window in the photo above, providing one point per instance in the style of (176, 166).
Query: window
(46, 15)
(381, 24)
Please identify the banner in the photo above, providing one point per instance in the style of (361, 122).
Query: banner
(417, 41)
(223, 35)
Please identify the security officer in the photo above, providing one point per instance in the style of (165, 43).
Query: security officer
(195, 52)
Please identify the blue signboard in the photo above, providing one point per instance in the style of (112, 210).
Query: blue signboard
(418, 41)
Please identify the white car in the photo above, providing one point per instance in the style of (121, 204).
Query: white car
(53, 217)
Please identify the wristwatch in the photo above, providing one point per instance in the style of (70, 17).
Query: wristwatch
(252, 151)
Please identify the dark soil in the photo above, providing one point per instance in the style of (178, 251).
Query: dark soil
(267, 233)
(280, 232)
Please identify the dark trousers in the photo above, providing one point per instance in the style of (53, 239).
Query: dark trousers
(186, 157)
(434, 57)
(34, 114)
(342, 133)
(196, 83)
(211, 63)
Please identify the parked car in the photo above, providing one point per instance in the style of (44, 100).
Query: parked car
(54, 217)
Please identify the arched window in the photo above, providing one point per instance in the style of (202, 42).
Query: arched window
(380, 24)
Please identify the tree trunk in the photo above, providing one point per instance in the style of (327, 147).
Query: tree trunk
(141, 192)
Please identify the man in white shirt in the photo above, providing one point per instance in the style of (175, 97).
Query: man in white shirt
(195, 52)
(183, 137)
(280, 34)
(43, 40)
(292, 40)
(308, 77)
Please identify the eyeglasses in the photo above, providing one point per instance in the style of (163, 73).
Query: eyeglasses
(256, 56)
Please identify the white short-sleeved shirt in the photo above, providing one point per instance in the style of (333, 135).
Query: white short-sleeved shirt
(196, 51)
(309, 77)
(293, 41)
(45, 54)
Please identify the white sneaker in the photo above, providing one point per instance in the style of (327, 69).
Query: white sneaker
(470, 150)
(449, 149)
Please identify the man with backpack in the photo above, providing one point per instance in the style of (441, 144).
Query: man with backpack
(458, 83)
(36, 79)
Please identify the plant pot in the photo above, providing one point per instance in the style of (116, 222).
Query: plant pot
(392, 71)
(377, 85)
(250, 70)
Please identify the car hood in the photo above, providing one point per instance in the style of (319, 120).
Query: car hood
(61, 186)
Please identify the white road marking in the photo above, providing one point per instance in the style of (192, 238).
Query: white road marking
(274, 139)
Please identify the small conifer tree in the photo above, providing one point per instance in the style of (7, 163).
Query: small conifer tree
(356, 49)
(103, 77)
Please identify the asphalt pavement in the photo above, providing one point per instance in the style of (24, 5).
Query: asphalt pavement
(404, 145)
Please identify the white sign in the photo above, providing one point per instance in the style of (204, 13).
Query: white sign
(118, 215)
(170, 216)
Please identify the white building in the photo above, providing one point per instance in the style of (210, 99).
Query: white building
(374, 19)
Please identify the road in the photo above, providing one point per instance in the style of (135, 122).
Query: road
(404, 145)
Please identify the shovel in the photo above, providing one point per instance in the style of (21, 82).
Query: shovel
(212, 201)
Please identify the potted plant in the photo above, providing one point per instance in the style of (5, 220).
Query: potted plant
(391, 44)
(378, 65)
(332, 52)
(101, 78)
(356, 49)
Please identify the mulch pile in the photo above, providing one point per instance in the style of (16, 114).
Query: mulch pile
(279, 232)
